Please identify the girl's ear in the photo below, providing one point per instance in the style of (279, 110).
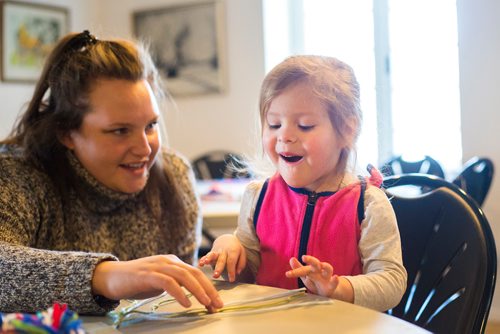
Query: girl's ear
(66, 139)
(350, 132)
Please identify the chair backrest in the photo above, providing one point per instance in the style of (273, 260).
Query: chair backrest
(398, 165)
(475, 178)
(218, 165)
(213, 165)
(449, 253)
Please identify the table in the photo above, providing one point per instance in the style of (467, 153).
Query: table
(334, 317)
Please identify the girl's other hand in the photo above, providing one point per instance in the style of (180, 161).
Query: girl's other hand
(150, 276)
(319, 278)
(227, 253)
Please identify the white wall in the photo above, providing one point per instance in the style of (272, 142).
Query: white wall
(200, 123)
(212, 121)
(226, 121)
(479, 48)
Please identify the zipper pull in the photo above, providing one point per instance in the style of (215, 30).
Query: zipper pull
(312, 198)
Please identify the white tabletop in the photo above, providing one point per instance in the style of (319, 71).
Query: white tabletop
(334, 317)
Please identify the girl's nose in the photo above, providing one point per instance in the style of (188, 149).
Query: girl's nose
(141, 145)
(287, 134)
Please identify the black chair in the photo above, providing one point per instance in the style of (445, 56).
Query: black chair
(475, 178)
(449, 253)
(219, 164)
(398, 165)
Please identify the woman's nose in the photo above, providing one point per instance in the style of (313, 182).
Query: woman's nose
(141, 145)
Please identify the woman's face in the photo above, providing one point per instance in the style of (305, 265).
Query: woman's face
(118, 139)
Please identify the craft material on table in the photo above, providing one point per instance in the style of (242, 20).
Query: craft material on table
(165, 308)
(57, 319)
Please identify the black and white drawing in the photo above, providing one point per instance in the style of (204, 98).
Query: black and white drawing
(187, 45)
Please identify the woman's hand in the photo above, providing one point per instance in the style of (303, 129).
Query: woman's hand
(318, 277)
(150, 276)
(227, 253)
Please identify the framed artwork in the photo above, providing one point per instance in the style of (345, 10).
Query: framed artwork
(187, 45)
(28, 34)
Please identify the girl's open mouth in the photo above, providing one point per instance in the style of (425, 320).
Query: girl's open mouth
(291, 158)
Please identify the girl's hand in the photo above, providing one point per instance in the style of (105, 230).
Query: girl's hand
(318, 277)
(150, 276)
(227, 253)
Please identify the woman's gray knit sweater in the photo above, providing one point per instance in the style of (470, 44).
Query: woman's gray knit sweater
(49, 250)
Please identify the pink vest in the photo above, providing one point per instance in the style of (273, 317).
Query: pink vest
(327, 228)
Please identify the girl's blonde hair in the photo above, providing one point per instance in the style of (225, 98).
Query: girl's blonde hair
(332, 81)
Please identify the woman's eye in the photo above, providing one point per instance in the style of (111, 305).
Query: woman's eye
(120, 131)
(306, 127)
(151, 126)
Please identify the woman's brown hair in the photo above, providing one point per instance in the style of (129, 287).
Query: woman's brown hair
(60, 101)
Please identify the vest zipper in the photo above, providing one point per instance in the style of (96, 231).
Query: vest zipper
(306, 227)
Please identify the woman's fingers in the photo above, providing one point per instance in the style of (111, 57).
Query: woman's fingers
(209, 289)
(147, 277)
(173, 288)
(194, 281)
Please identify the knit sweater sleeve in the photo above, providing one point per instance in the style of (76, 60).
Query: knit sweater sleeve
(383, 281)
(31, 278)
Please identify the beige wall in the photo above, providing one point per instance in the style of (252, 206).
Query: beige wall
(199, 123)
(227, 121)
(213, 121)
(479, 51)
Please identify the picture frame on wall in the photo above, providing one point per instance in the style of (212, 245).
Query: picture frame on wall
(187, 45)
(28, 34)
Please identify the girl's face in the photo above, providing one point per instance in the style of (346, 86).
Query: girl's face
(299, 138)
(118, 139)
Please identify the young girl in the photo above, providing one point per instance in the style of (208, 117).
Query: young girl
(313, 223)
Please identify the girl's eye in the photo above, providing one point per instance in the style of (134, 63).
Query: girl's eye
(274, 126)
(306, 127)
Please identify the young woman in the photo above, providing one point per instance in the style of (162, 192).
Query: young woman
(92, 206)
